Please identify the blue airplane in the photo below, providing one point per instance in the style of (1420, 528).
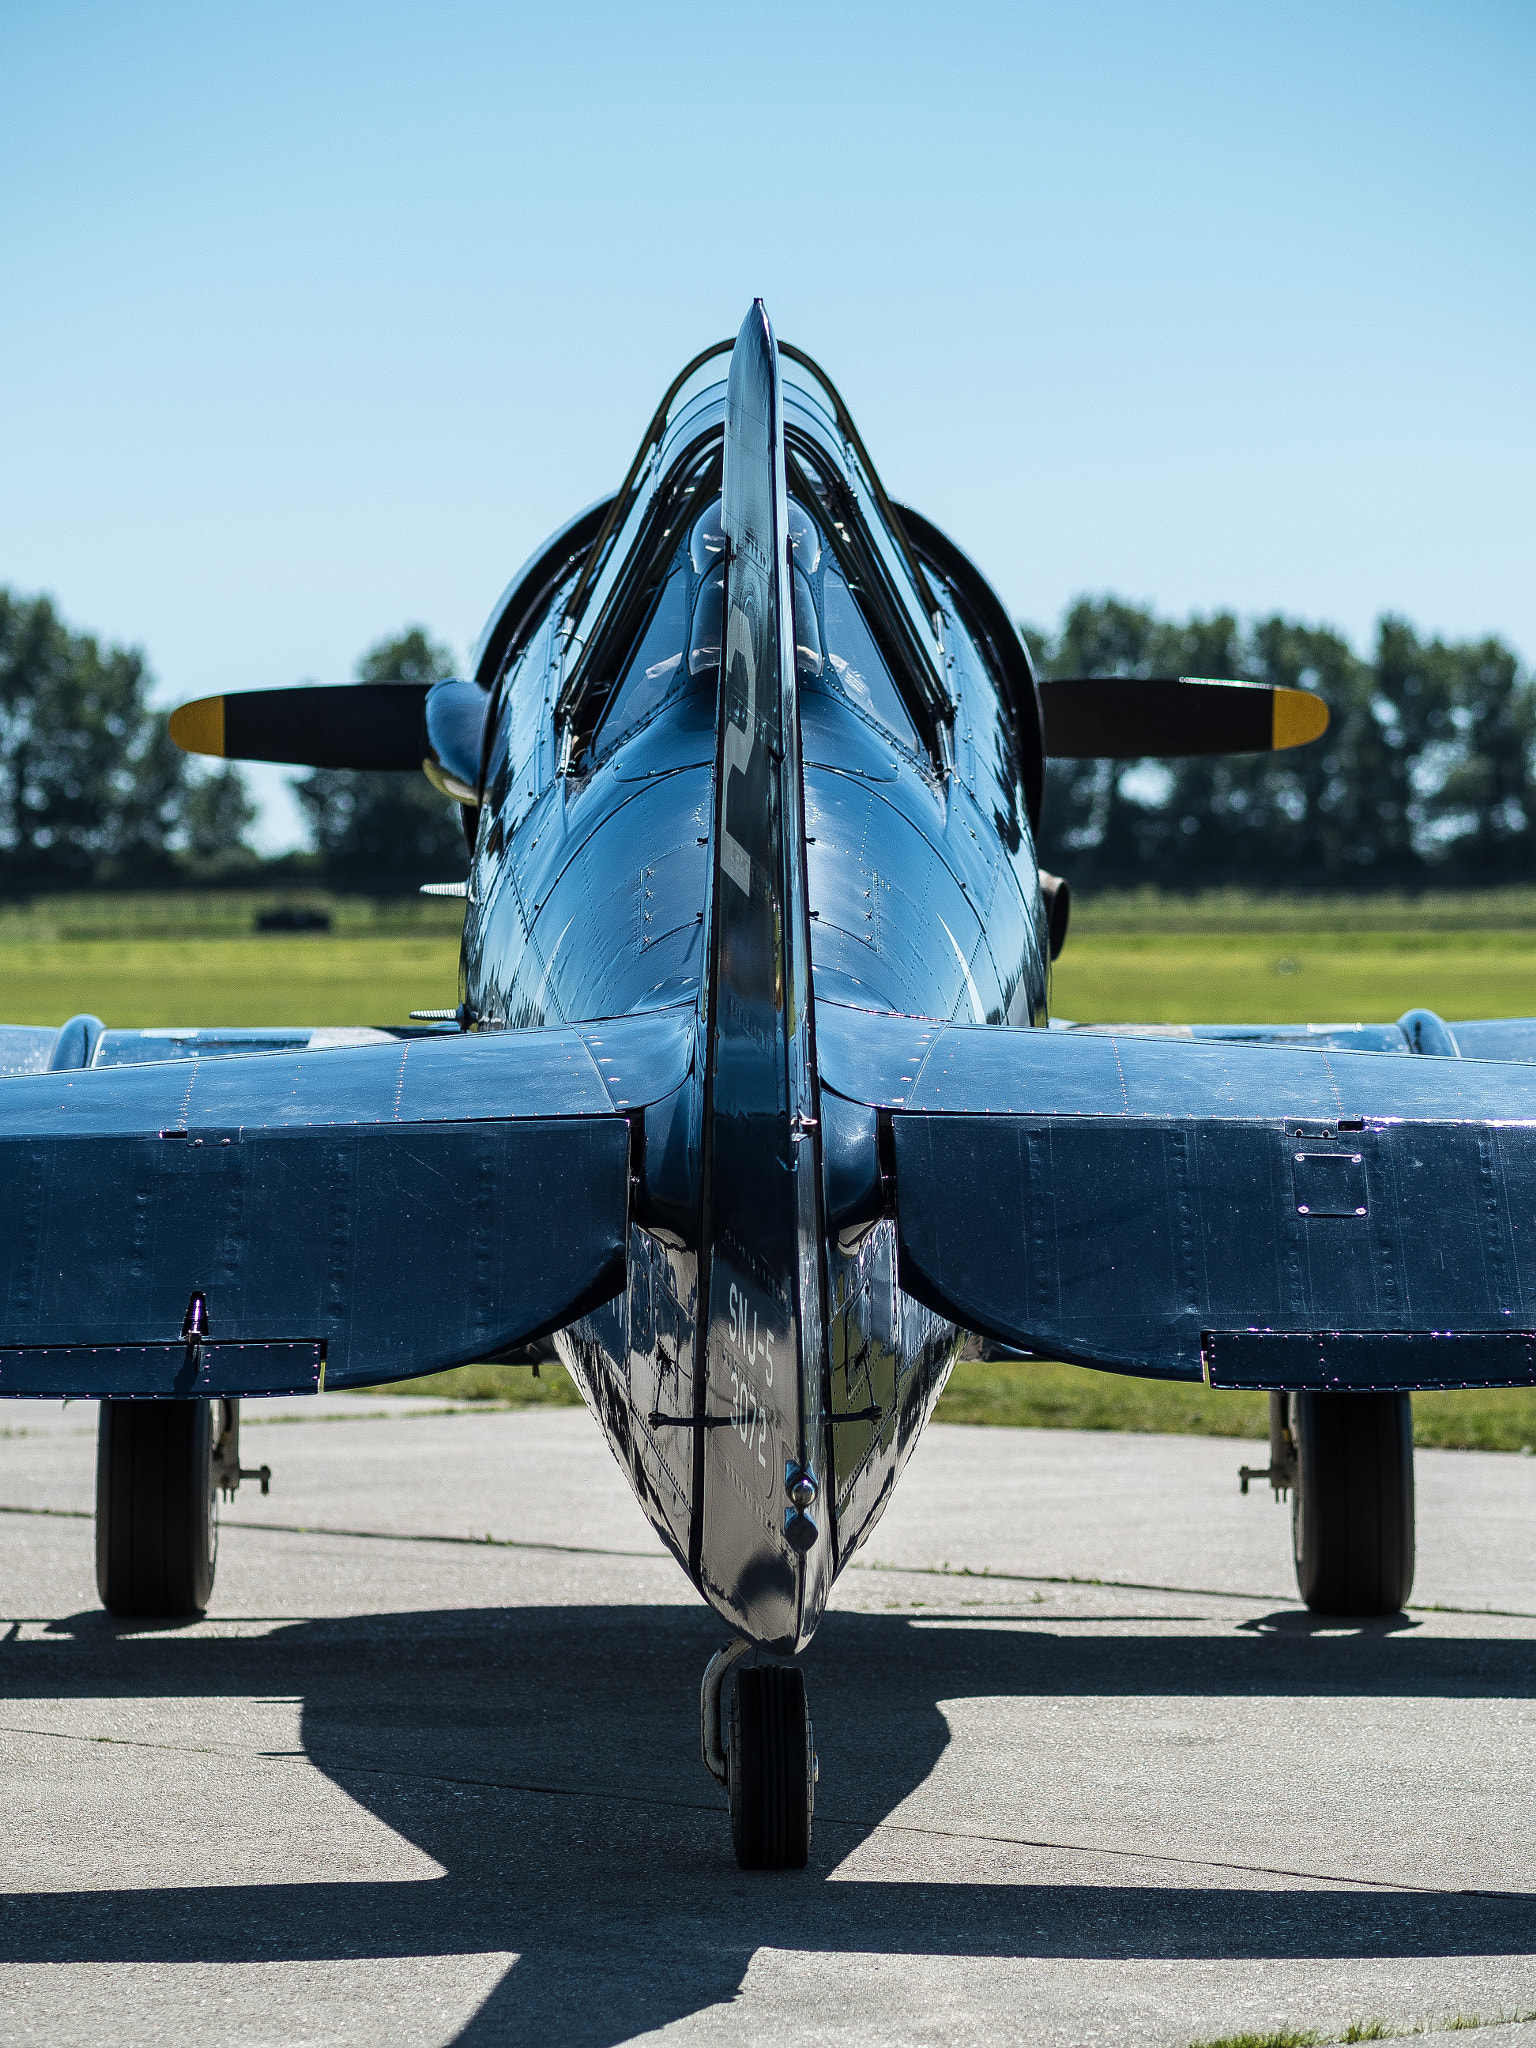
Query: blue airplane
(751, 1114)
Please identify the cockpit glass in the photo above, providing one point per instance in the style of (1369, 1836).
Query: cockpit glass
(706, 544)
(708, 623)
(653, 668)
(807, 631)
(855, 663)
(804, 539)
(679, 648)
(837, 649)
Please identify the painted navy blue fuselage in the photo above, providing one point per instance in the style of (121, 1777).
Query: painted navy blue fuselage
(725, 1368)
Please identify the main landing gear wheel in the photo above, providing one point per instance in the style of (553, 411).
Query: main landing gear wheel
(772, 1765)
(1352, 1510)
(157, 1531)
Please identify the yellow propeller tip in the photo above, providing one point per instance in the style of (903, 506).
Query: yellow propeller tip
(198, 728)
(1299, 716)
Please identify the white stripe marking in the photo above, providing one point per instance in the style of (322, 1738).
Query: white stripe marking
(978, 1012)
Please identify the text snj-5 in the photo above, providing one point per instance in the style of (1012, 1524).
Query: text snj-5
(754, 1342)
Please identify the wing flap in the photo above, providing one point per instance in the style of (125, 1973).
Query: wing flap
(126, 1372)
(404, 1207)
(1174, 1207)
(398, 1248)
(1370, 1361)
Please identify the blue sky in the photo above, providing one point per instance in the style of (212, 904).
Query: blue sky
(317, 318)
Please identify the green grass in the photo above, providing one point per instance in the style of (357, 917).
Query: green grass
(1364, 2030)
(501, 1386)
(1229, 957)
(1038, 1395)
(193, 958)
(1276, 2037)
(1510, 909)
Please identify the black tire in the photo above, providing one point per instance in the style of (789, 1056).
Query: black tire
(772, 1769)
(157, 1529)
(1352, 1511)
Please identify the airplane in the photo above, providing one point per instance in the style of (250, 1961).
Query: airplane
(752, 1113)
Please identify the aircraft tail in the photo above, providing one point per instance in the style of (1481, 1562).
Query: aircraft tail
(758, 1463)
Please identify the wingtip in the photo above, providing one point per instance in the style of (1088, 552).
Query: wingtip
(198, 727)
(1299, 716)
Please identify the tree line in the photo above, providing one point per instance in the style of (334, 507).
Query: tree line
(94, 792)
(1426, 773)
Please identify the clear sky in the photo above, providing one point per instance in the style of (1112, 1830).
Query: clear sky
(315, 319)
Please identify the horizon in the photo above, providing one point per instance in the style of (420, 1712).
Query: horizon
(320, 325)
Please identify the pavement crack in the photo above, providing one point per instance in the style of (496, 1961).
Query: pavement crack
(126, 1741)
(465, 1542)
(380, 1535)
(914, 1571)
(966, 1571)
(1381, 1884)
(330, 1761)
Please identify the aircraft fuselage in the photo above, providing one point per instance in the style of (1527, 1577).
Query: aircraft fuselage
(761, 1339)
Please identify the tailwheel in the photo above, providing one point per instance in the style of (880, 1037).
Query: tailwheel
(157, 1532)
(772, 1765)
(1352, 1511)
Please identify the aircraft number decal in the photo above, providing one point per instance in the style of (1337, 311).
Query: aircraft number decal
(752, 1340)
(760, 1344)
(734, 857)
(748, 1416)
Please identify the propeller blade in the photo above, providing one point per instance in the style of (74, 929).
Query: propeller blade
(1128, 718)
(321, 725)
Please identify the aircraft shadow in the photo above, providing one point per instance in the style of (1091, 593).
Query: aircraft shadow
(547, 1759)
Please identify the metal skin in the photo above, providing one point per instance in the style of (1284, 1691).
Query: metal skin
(734, 1119)
(721, 868)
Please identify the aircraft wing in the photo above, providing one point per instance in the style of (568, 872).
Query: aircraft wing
(87, 1042)
(1420, 1031)
(1267, 1215)
(348, 1214)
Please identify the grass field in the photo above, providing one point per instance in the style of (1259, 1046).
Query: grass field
(1229, 958)
(1046, 1396)
(1224, 957)
(193, 958)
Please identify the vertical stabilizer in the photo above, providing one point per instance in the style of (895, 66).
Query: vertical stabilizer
(761, 1560)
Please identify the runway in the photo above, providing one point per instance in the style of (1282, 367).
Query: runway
(429, 1772)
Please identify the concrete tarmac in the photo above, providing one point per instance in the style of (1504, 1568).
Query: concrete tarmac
(429, 1772)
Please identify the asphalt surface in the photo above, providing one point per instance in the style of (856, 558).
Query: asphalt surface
(1088, 1772)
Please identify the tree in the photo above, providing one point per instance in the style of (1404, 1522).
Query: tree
(1425, 770)
(1475, 806)
(387, 828)
(91, 784)
(217, 812)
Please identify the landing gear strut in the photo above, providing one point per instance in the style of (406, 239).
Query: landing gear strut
(1347, 1460)
(769, 1767)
